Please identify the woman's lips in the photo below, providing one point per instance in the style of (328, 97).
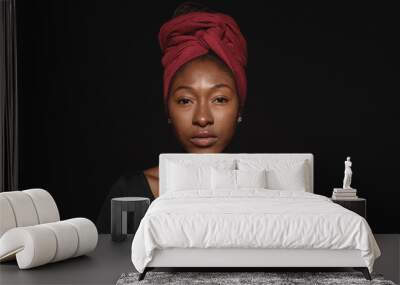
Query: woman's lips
(203, 141)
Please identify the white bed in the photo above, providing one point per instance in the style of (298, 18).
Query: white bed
(284, 225)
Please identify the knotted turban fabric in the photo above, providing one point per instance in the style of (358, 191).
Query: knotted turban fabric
(194, 34)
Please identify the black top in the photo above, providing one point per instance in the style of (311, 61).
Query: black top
(130, 184)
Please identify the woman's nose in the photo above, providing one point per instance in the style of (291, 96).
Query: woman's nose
(202, 115)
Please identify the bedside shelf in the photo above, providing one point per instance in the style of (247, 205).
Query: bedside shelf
(358, 205)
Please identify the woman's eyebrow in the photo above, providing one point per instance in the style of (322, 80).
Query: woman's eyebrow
(220, 85)
(183, 87)
(216, 86)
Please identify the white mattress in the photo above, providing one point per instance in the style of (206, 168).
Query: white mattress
(252, 218)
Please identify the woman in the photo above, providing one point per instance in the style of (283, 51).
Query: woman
(204, 59)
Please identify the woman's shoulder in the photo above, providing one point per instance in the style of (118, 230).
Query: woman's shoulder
(152, 179)
(151, 172)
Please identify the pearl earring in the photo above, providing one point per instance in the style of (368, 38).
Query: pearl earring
(239, 119)
(169, 121)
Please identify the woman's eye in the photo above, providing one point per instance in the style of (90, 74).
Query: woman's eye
(183, 101)
(221, 100)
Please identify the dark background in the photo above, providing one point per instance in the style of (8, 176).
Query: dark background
(322, 79)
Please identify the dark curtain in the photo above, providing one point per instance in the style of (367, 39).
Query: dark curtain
(8, 97)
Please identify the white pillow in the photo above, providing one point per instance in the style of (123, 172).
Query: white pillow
(281, 174)
(251, 178)
(188, 177)
(236, 179)
(223, 179)
(193, 174)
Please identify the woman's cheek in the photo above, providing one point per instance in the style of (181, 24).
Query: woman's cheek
(225, 128)
(182, 125)
(226, 120)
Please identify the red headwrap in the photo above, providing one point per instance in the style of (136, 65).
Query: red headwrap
(193, 34)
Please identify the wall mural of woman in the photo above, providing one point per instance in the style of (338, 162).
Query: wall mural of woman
(204, 59)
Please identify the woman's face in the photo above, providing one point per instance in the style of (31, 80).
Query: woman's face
(203, 106)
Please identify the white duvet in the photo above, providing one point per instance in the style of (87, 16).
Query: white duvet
(251, 218)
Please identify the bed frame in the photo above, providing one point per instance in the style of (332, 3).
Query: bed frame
(246, 258)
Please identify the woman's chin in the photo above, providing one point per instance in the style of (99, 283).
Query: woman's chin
(191, 145)
(211, 149)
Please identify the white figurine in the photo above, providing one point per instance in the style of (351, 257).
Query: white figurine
(347, 174)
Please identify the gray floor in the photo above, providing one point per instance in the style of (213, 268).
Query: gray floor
(110, 260)
(389, 262)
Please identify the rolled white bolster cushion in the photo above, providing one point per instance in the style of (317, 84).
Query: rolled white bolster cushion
(33, 245)
(87, 234)
(7, 218)
(45, 243)
(23, 208)
(67, 240)
(45, 205)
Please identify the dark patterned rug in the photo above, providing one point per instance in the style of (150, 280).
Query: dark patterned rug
(225, 278)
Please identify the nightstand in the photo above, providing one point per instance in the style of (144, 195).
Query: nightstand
(358, 205)
(119, 215)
